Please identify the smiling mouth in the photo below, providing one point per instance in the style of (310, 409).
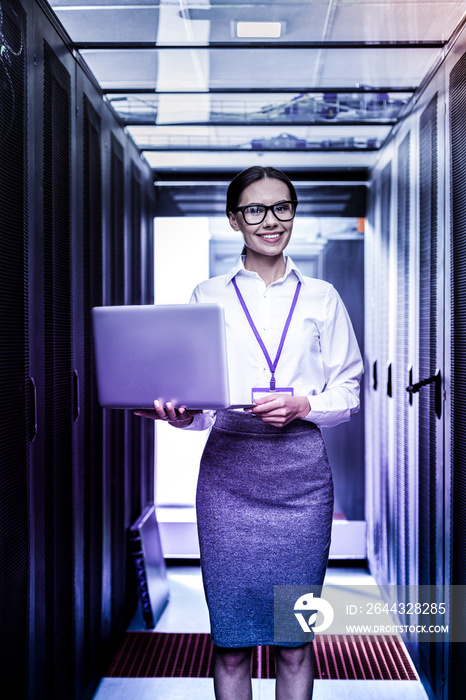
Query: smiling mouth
(270, 236)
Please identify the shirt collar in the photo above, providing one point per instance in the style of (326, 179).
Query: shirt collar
(239, 267)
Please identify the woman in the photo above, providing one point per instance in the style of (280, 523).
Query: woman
(265, 493)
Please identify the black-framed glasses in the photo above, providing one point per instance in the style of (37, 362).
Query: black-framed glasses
(256, 213)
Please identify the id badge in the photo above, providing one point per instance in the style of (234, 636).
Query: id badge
(259, 392)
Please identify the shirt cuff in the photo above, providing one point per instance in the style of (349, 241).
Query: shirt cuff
(327, 417)
(201, 421)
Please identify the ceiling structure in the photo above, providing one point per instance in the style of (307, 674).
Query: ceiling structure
(208, 87)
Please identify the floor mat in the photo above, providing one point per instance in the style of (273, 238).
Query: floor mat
(344, 657)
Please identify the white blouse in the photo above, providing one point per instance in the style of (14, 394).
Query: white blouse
(320, 358)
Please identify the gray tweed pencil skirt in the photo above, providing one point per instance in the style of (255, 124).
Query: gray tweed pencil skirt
(264, 511)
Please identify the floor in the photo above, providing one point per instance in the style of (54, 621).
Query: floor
(187, 612)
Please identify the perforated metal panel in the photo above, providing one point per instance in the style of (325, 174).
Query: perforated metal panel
(91, 415)
(148, 253)
(187, 655)
(458, 365)
(136, 220)
(117, 223)
(382, 321)
(370, 337)
(429, 518)
(135, 427)
(14, 404)
(147, 264)
(402, 358)
(116, 419)
(59, 564)
(428, 342)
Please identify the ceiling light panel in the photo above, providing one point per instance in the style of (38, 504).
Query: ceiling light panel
(258, 30)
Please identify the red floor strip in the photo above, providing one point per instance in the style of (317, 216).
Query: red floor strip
(346, 657)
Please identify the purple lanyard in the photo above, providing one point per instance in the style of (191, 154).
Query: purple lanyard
(272, 365)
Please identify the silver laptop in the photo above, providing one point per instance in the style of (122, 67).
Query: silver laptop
(174, 353)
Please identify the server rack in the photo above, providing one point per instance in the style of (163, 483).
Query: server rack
(76, 209)
(418, 538)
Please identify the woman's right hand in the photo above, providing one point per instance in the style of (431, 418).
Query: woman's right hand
(179, 417)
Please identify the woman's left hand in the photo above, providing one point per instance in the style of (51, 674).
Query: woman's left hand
(280, 409)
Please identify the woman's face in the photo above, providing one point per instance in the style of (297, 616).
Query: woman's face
(270, 237)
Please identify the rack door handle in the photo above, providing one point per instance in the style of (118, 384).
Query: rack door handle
(434, 379)
(410, 380)
(389, 380)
